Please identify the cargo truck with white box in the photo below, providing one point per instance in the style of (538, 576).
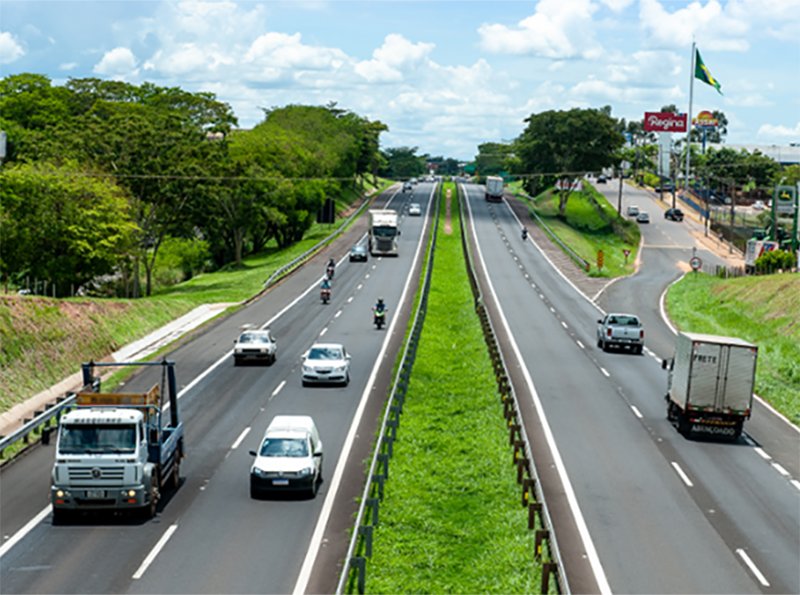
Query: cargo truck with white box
(383, 232)
(710, 387)
(494, 189)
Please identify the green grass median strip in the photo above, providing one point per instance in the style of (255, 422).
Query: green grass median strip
(451, 520)
(764, 310)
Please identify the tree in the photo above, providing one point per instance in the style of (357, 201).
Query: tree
(403, 162)
(493, 158)
(567, 144)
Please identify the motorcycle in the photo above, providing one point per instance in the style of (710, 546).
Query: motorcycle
(330, 271)
(379, 319)
(325, 295)
(524, 234)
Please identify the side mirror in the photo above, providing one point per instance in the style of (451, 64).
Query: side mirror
(663, 364)
(318, 453)
(252, 452)
(347, 356)
(599, 322)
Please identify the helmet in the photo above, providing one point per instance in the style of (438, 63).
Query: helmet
(380, 300)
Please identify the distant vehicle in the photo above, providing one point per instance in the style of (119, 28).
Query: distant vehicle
(601, 179)
(359, 253)
(255, 345)
(710, 386)
(620, 330)
(642, 217)
(673, 214)
(326, 363)
(633, 210)
(754, 250)
(413, 180)
(408, 186)
(414, 209)
(494, 189)
(289, 457)
(759, 205)
(24, 292)
(383, 232)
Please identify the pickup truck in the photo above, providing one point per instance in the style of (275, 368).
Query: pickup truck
(620, 330)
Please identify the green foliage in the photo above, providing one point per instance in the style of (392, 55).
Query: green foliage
(451, 520)
(774, 261)
(764, 310)
(567, 144)
(402, 163)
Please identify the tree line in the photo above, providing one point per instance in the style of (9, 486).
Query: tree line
(100, 175)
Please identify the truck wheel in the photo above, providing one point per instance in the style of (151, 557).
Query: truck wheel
(175, 475)
(600, 343)
(604, 346)
(149, 510)
(684, 426)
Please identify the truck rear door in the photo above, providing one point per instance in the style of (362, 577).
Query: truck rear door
(739, 378)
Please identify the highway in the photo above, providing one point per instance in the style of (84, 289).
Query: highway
(663, 514)
(209, 536)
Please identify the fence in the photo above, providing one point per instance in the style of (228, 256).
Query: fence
(581, 262)
(532, 494)
(360, 547)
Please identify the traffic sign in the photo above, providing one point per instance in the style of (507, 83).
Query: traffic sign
(696, 263)
(626, 252)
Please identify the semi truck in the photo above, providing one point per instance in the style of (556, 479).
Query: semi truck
(113, 451)
(710, 385)
(494, 189)
(383, 232)
(756, 249)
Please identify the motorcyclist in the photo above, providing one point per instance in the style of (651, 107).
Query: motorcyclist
(325, 288)
(524, 233)
(330, 268)
(380, 307)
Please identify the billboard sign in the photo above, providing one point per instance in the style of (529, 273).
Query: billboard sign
(705, 119)
(664, 122)
(785, 199)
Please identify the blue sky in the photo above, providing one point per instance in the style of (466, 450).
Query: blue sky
(444, 76)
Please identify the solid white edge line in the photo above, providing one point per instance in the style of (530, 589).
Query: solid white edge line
(781, 470)
(154, 552)
(241, 437)
(682, 475)
(327, 506)
(583, 529)
(25, 530)
(753, 568)
(636, 412)
(278, 388)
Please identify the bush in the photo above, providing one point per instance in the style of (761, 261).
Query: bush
(775, 260)
(179, 260)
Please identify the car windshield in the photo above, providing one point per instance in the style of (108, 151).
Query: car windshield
(624, 320)
(253, 338)
(284, 447)
(84, 438)
(358, 248)
(325, 353)
(385, 231)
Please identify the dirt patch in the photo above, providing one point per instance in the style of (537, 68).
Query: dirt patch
(448, 215)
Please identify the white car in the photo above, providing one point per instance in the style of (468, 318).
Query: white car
(633, 210)
(255, 345)
(414, 209)
(326, 363)
(642, 217)
(289, 457)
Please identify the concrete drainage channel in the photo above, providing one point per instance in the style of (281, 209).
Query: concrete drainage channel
(527, 476)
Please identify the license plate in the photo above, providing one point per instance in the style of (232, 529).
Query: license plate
(96, 494)
(280, 482)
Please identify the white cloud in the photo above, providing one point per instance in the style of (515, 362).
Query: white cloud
(645, 68)
(118, 63)
(617, 5)
(68, 66)
(10, 50)
(557, 30)
(395, 57)
(714, 27)
(769, 130)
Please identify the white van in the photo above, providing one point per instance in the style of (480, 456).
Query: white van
(289, 457)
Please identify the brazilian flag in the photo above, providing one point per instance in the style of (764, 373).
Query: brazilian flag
(702, 73)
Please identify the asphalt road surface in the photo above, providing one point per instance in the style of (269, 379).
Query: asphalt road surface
(209, 535)
(663, 513)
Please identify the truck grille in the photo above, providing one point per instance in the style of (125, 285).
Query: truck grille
(107, 474)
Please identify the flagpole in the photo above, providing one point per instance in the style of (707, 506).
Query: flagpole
(689, 120)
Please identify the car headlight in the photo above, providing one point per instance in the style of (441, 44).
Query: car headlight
(307, 369)
(339, 369)
(259, 472)
(306, 471)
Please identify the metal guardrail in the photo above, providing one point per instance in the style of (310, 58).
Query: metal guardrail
(361, 541)
(42, 418)
(288, 268)
(531, 485)
(583, 264)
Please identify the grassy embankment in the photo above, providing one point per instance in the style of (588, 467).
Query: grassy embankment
(588, 228)
(764, 310)
(43, 340)
(451, 521)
